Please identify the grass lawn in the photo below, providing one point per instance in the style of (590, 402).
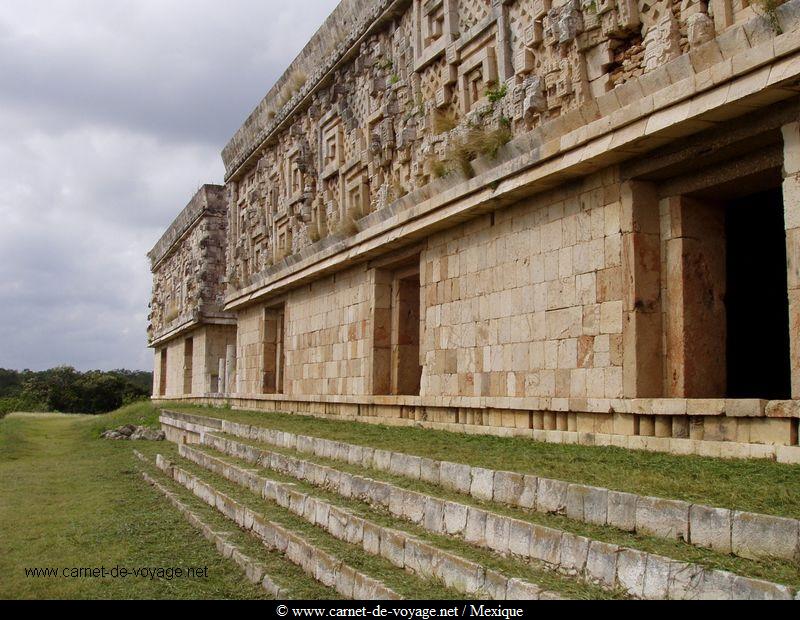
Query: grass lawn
(69, 499)
(755, 485)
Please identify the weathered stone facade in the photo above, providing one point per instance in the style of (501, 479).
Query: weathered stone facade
(189, 328)
(574, 217)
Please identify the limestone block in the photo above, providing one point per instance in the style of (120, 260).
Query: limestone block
(393, 546)
(337, 522)
(545, 544)
(354, 532)
(359, 487)
(656, 577)
(495, 585)
(460, 574)
(368, 589)
(405, 465)
(508, 487)
(345, 580)
(711, 527)
(716, 585)
(747, 589)
(551, 496)
(379, 494)
(685, 581)
(381, 460)
(601, 563)
(788, 455)
(433, 518)
(574, 553)
(455, 518)
(631, 569)
(420, 557)
(325, 568)
(371, 538)
(622, 510)
(475, 531)
(369, 457)
(587, 504)
(413, 507)
(527, 498)
(757, 536)
(497, 533)
(665, 518)
(397, 498)
(355, 455)
(455, 476)
(520, 590)
(339, 451)
(519, 537)
(482, 486)
(429, 471)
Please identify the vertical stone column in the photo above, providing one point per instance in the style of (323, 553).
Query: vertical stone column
(791, 210)
(641, 260)
(221, 387)
(695, 318)
(230, 369)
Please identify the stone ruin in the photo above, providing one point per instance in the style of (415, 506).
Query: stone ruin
(573, 218)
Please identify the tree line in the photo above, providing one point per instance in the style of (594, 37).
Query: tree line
(67, 390)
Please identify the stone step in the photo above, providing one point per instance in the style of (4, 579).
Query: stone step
(401, 549)
(253, 570)
(637, 573)
(745, 534)
(240, 547)
(322, 566)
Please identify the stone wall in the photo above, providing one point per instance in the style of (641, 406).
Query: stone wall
(553, 177)
(391, 96)
(528, 302)
(188, 264)
(193, 361)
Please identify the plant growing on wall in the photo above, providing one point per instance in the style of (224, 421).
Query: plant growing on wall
(767, 9)
(495, 95)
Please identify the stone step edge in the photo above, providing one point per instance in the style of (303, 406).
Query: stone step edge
(318, 564)
(638, 573)
(405, 551)
(785, 454)
(746, 534)
(253, 570)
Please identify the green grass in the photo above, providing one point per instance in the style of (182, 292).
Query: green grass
(69, 499)
(755, 485)
(778, 571)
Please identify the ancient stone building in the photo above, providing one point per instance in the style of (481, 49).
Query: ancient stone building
(190, 330)
(567, 219)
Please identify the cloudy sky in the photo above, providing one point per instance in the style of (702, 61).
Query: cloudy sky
(112, 114)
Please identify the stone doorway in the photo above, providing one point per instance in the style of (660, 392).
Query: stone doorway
(396, 367)
(406, 369)
(757, 303)
(188, 366)
(274, 350)
(162, 375)
(726, 317)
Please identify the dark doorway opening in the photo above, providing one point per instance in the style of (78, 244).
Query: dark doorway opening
(758, 359)
(406, 367)
(188, 366)
(274, 350)
(162, 375)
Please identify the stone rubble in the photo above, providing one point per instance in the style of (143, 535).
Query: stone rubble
(130, 432)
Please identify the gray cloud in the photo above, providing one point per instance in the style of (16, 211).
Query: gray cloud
(112, 114)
